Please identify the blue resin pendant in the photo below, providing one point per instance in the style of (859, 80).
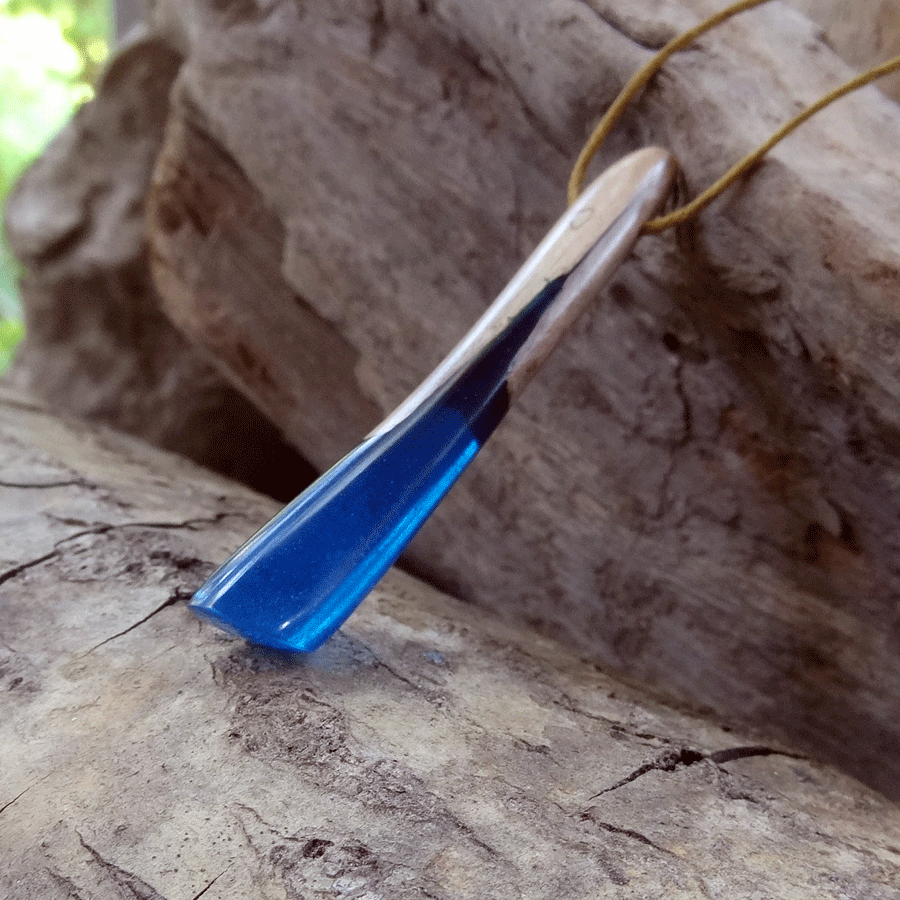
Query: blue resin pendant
(297, 579)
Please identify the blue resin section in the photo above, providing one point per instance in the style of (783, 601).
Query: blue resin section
(297, 580)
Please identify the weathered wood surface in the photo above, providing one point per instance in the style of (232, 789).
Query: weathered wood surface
(427, 751)
(98, 344)
(863, 33)
(701, 489)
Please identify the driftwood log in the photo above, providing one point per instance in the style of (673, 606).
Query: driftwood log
(701, 489)
(428, 750)
(98, 343)
(864, 34)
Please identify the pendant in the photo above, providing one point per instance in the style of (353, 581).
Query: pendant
(293, 584)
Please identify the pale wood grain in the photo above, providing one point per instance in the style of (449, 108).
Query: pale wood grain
(428, 750)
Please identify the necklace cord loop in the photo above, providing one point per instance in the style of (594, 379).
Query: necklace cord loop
(640, 79)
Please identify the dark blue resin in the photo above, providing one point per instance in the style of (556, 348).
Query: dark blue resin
(298, 579)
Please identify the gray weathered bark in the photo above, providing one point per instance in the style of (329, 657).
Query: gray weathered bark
(427, 751)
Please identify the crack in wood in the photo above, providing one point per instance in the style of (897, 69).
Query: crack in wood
(399, 676)
(618, 28)
(103, 528)
(202, 892)
(24, 567)
(188, 524)
(671, 759)
(137, 888)
(66, 883)
(40, 485)
(588, 816)
(379, 28)
(9, 803)
(679, 443)
(255, 813)
(620, 728)
(665, 762)
(175, 597)
(732, 753)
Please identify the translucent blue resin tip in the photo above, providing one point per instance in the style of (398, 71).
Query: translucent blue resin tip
(297, 580)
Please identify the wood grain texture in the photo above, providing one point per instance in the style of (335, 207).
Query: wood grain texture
(97, 343)
(865, 33)
(701, 487)
(427, 751)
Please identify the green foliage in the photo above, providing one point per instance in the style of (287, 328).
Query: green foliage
(50, 52)
(11, 333)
